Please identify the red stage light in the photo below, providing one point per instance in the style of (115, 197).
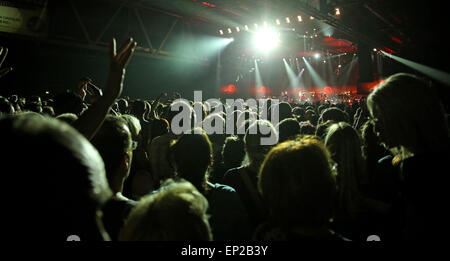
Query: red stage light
(228, 89)
(208, 4)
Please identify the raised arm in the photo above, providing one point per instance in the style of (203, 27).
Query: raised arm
(91, 120)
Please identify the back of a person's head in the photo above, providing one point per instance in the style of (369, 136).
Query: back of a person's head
(67, 102)
(69, 118)
(159, 127)
(134, 125)
(307, 128)
(322, 128)
(113, 141)
(288, 129)
(297, 184)
(253, 136)
(123, 106)
(176, 212)
(138, 108)
(63, 172)
(48, 110)
(233, 152)
(333, 114)
(371, 145)
(192, 156)
(344, 144)
(6, 106)
(408, 113)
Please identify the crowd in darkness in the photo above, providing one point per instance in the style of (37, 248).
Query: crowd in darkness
(94, 164)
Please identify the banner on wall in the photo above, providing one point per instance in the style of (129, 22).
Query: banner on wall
(24, 17)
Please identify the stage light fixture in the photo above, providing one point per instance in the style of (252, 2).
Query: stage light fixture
(288, 20)
(238, 29)
(277, 21)
(256, 25)
(266, 39)
(317, 55)
(246, 27)
(299, 18)
(312, 18)
(220, 32)
(229, 30)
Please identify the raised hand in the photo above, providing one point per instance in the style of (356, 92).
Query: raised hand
(119, 60)
(91, 120)
(3, 54)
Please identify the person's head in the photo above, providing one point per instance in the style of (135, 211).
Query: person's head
(310, 115)
(68, 102)
(159, 127)
(288, 129)
(408, 113)
(285, 111)
(176, 212)
(63, 173)
(297, 185)
(333, 114)
(138, 108)
(48, 110)
(69, 118)
(372, 148)
(345, 146)
(298, 112)
(177, 107)
(134, 125)
(34, 104)
(322, 128)
(192, 155)
(123, 106)
(113, 141)
(233, 152)
(255, 150)
(307, 128)
(6, 106)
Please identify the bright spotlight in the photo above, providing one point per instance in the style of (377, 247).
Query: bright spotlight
(256, 25)
(338, 12)
(299, 18)
(220, 32)
(277, 21)
(317, 55)
(311, 17)
(288, 20)
(238, 29)
(266, 39)
(229, 30)
(246, 27)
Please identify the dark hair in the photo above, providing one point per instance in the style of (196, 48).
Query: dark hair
(60, 166)
(112, 140)
(233, 151)
(192, 156)
(288, 129)
(333, 114)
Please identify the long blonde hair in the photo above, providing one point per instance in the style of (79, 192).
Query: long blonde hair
(345, 146)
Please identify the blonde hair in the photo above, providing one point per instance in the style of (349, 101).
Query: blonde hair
(412, 115)
(177, 212)
(345, 146)
(297, 184)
